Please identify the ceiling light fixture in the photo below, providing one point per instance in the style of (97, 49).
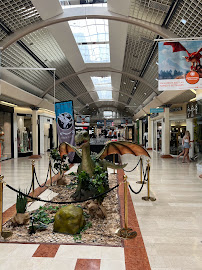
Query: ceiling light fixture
(183, 21)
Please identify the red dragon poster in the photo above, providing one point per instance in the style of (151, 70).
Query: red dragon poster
(180, 65)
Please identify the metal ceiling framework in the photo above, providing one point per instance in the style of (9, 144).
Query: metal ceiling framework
(145, 18)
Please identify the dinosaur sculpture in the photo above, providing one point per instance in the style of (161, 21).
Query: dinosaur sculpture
(88, 161)
(82, 140)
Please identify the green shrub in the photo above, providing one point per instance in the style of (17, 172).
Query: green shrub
(21, 203)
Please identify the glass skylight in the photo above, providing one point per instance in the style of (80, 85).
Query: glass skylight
(92, 37)
(107, 114)
(103, 86)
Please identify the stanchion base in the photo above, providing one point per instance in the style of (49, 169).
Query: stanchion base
(140, 182)
(148, 199)
(6, 234)
(126, 233)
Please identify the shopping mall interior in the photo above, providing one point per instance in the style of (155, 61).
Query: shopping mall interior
(130, 75)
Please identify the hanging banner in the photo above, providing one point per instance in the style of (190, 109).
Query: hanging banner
(65, 123)
(179, 65)
(83, 120)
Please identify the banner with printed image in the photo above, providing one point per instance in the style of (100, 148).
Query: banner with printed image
(180, 67)
(65, 123)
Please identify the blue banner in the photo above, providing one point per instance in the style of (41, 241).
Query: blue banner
(156, 110)
(65, 123)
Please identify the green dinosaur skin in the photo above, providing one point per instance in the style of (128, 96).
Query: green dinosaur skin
(82, 140)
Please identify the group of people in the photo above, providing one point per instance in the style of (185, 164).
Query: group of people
(186, 146)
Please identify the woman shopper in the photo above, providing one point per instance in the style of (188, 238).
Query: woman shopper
(187, 145)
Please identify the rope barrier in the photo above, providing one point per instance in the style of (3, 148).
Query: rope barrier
(46, 201)
(137, 192)
(43, 185)
(134, 167)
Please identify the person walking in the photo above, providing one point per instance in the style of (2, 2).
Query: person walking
(186, 143)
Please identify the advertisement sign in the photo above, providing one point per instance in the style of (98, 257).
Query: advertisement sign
(156, 110)
(179, 65)
(126, 122)
(83, 120)
(65, 123)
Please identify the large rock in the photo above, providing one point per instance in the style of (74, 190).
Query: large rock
(69, 219)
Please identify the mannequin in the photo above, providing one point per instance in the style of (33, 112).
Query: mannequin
(25, 140)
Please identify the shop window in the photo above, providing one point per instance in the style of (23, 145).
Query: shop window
(5, 135)
(24, 135)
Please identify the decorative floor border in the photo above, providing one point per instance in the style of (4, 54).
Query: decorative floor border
(135, 253)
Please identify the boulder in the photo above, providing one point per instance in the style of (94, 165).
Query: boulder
(20, 219)
(69, 219)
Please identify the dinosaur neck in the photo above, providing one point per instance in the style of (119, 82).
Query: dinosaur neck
(87, 163)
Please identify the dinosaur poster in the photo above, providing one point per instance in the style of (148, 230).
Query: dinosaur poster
(180, 65)
(65, 123)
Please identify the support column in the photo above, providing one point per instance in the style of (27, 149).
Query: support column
(35, 130)
(190, 128)
(15, 135)
(149, 133)
(140, 131)
(166, 134)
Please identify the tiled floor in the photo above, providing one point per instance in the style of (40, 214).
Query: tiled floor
(170, 226)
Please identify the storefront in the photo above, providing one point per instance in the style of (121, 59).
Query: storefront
(6, 132)
(24, 135)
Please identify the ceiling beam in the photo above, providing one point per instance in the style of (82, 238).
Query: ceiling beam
(104, 69)
(85, 13)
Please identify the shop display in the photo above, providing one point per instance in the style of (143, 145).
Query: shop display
(24, 134)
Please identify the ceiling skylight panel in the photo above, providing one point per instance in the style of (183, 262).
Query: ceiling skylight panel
(103, 87)
(92, 37)
(104, 94)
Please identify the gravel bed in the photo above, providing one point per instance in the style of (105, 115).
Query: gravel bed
(102, 231)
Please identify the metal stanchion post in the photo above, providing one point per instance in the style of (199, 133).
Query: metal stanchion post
(147, 198)
(4, 234)
(33, 178)
(50, 167)
(126, 201)
(126, 232)
(140, 182)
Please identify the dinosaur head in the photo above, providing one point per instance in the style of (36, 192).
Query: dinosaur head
(82, 139)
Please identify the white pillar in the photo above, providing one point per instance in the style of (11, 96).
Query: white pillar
(166, 133)
(190, 128)
(15, 140)
(35, 131)
(41, 119)
(149, 132)
(140, 131)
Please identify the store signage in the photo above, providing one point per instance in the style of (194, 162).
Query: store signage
(156, 110)
(179, 65)
(192, 109)
(177, 109)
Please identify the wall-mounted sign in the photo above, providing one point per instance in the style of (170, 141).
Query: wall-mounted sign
(156, 110)
(192, 109)
(176, 109)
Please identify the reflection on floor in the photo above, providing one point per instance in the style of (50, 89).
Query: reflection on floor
(170, 226)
